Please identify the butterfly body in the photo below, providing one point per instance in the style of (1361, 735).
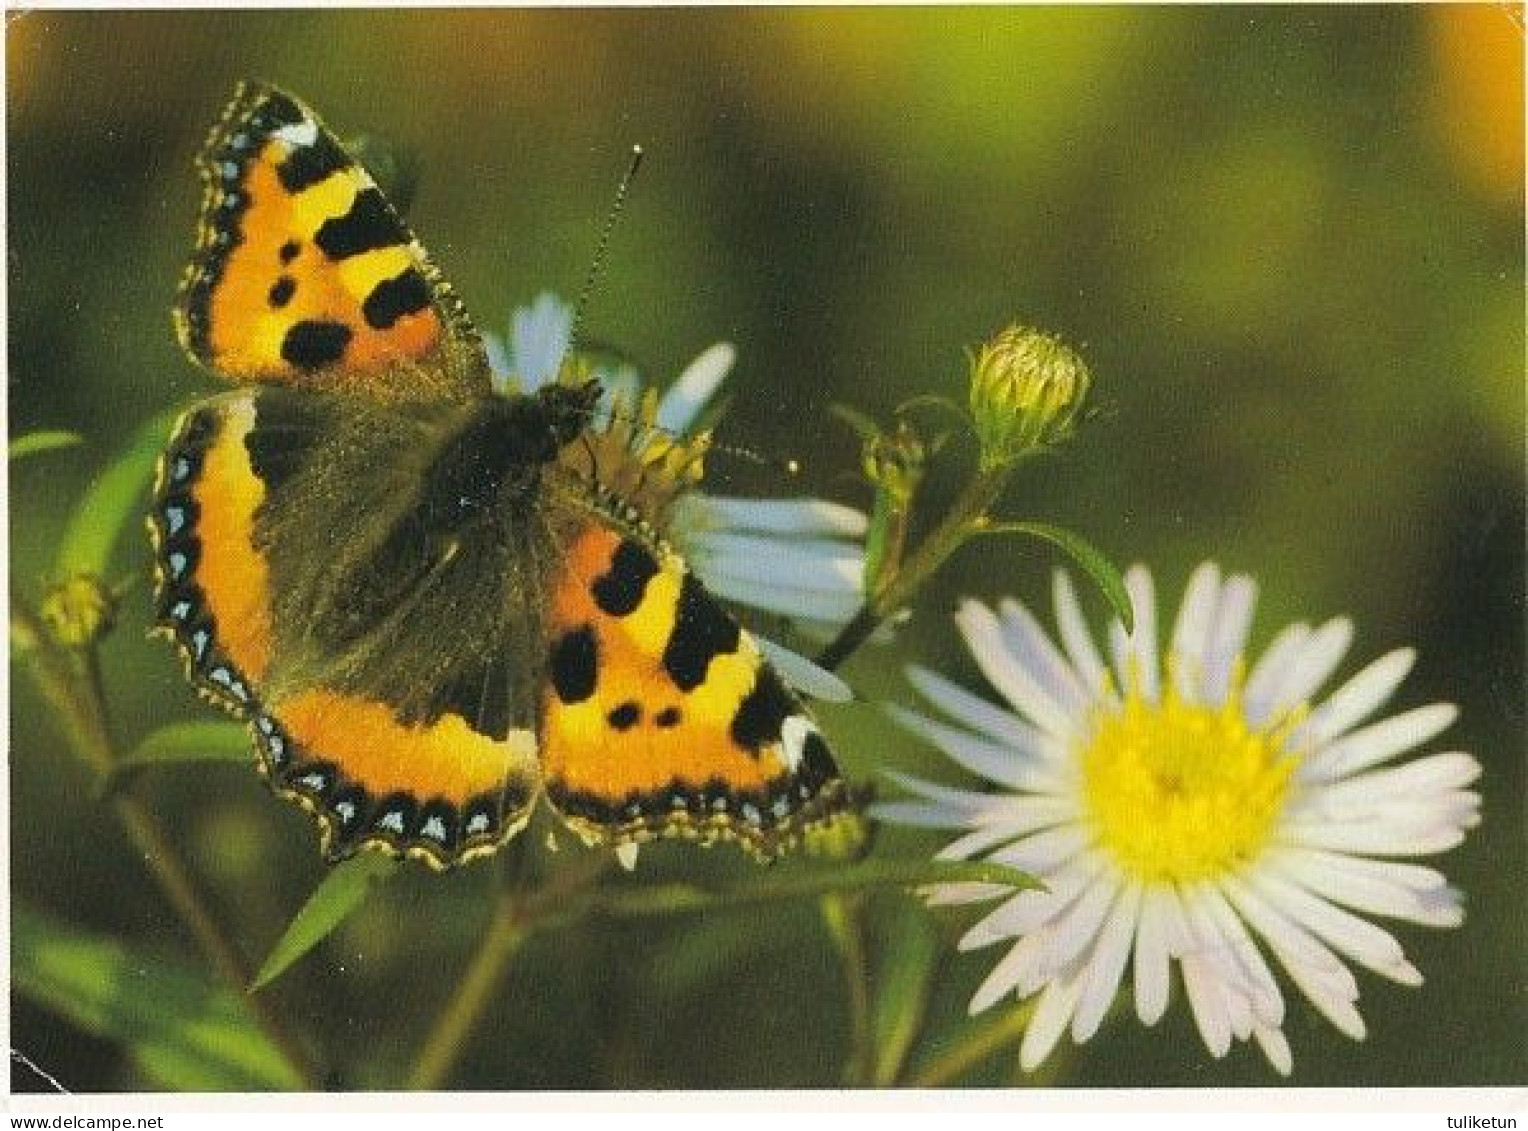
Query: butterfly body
(427, 598)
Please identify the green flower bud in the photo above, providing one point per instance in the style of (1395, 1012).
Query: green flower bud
(79, 610)
(1027, 388)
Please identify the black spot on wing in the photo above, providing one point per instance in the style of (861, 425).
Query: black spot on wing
(282, 291)
(668, 717)
(391, 299)
(575, 659)
(626, 716)
(288, 251)
(307, 165)
(762, 712)
(620, 591)
(368, 225)
(702, 630)
(315, 343)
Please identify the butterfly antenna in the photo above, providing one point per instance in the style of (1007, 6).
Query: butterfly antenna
(597, 264)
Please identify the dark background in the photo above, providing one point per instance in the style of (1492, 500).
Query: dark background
(1289, 241)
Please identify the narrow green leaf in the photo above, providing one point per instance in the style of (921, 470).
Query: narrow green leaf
(343, 890)
(113, 501)
(35, 442)
(1098, 567)
(182, 1030)
(907, 953)
(192, 742)
(184, 742)
(866, 875)
(864, 426)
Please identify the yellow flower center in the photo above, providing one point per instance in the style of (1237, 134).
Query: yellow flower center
(1182, 792)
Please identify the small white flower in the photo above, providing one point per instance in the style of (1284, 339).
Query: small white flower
(800, 558)
(1200, 812)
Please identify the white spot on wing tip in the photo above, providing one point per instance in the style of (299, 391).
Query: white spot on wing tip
(304, 132)
(793, 734)
(626, 854)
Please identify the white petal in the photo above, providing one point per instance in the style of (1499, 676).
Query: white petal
(1207, 1002)
(1358, 698)
(963, 892)
(1275, 1047)
(1219, 955)
(1026, 912)
(814, 564)
(1378, 742)
(1267, 998)
(1228, 636)
(1047, 1024)
(1418, 780)
(1004, 765)
(1346, 933)
(540, 338)
(1373, 894)
(779, 516)
(1101, 976)
(805, 676)
(683, 401)
(1191, 631)
(1377, 838)
(975, 712)
(1071, 934)
(977, 842)
(1269, 673)
(1075, 636)
(1312, 665)
(999, 983)
(1135, 656)
(1151, 972)
(983, 635)
(777, 596)
(1033, 648)
(1046, 852)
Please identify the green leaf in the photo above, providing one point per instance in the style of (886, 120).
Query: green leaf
(184, 742)
(1098, 567)
(181, 1029)
(342, 891)
(112, 501)
(907, 951)
(35, 442)
(866, 875)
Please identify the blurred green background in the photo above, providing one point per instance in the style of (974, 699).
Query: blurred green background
(1288, 240)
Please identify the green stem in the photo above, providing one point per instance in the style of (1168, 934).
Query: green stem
(72, 687)
(443, 1048)
(967, 512)
(517, 915)
(846, 920)
(975, 1046)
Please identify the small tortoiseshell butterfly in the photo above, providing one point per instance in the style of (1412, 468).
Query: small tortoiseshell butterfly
(432, 603)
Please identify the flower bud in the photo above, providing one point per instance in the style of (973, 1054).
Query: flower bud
(79, 610)
(1027, 388)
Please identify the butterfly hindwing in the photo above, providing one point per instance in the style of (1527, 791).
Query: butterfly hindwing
(662, 717)
(304, 270)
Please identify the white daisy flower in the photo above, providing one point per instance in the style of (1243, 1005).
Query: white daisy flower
(1199, 811)
(802, 558)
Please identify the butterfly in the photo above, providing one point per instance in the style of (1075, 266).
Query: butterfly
(436, 606)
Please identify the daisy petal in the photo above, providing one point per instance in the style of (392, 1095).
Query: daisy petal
(682, 403)
(1360, 697)
(1228, 635)
(1017, 683)
(975, 712)
(1313, 664)
(1074, 635)
(1104, 970)
(1379, 742)
(1191, 632)
(1051, 1015)
(1152, 975)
